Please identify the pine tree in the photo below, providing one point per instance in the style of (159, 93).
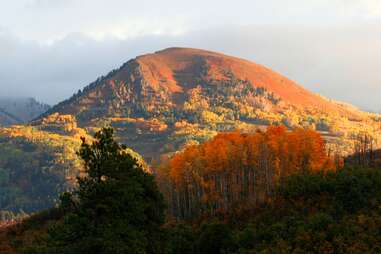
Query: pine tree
(117, 207)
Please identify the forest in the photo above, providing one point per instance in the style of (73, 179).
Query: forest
(236, 168)
(273, 191)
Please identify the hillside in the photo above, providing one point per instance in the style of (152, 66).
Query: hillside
(308, 211)
(160, 102)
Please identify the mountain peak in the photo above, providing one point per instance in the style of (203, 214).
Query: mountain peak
(173, 64)
(176, 70)
(185, 50)
(178, 93)
(172, 72)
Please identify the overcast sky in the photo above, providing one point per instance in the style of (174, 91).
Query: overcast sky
(51, 48)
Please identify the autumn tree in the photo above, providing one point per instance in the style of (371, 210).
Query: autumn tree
(240, 168)
(364, 150)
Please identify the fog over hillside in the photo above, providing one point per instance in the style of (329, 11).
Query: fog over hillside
(16, 110)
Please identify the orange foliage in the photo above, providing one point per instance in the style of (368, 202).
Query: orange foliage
(233, 167)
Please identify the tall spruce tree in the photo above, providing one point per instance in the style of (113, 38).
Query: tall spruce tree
(117, 207)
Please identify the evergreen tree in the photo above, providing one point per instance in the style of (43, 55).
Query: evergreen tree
(117, 207)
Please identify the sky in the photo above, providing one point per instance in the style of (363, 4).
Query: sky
(51, 48)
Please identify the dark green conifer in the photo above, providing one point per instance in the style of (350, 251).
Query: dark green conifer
(117, 207)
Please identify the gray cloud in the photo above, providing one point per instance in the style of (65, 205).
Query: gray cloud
(47, 20)
(51, 48)
(338, 62)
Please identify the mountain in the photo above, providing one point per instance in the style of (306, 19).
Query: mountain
(162, 81)
(182, 94)
(158, 103)
(20, 110)
(7, 118)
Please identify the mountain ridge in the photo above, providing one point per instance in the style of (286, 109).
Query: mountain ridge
(207, 91)
(167, 69)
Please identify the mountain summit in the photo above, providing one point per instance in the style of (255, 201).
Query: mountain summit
(164, 80)
(181, 95)
(182, 69)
